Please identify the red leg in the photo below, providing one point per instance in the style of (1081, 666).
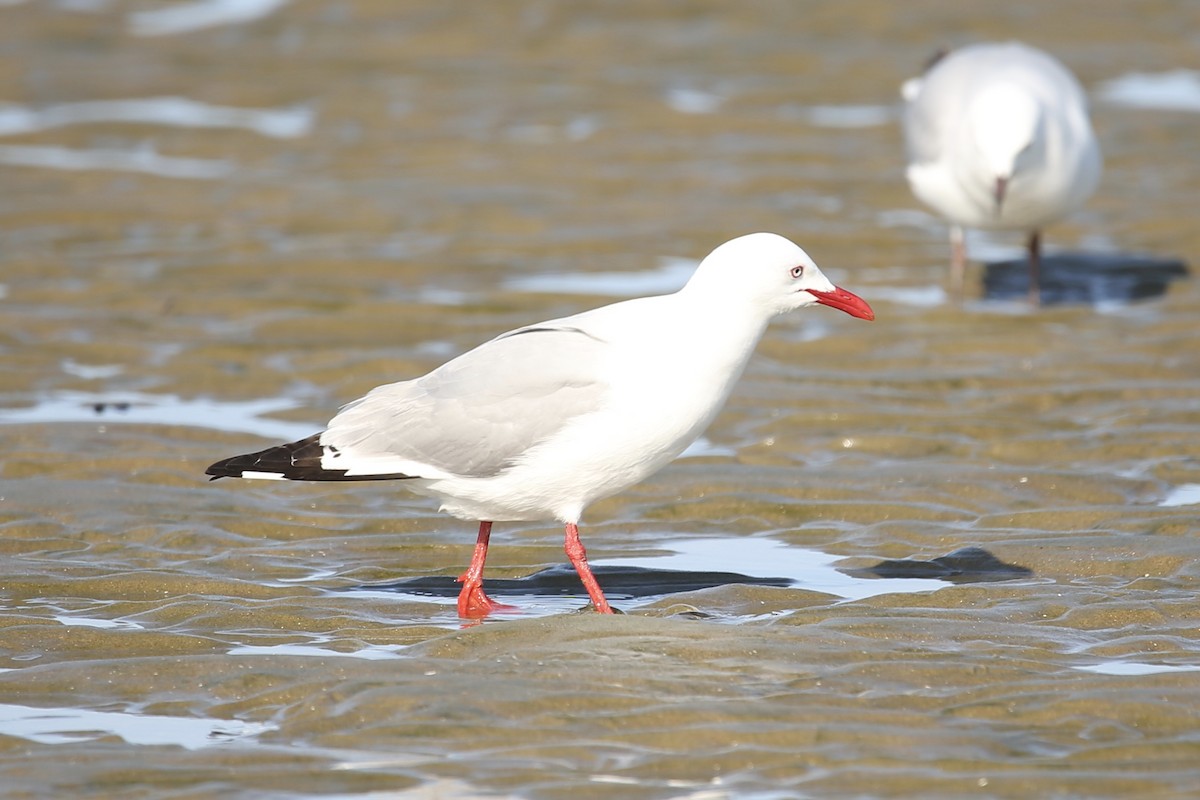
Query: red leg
(472, 602)
(578, 557)
(958, 262)
(1035, 268)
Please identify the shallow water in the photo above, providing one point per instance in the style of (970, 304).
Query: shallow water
(221, 220)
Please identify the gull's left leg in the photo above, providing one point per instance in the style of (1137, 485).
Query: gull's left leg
(578, 557)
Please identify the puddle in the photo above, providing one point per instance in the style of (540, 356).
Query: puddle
(146, 409)
(144, 160)
(92, 622)
(1136, 668)
(1187, 494)
(179, 112)
(369, 653)
(1175, 90)
(91, 372)
(187, 17)
(689, 567)
(916, 296)
(66, 725)
(671, 274)
(754, 555)
(843, 116)
(693, 101)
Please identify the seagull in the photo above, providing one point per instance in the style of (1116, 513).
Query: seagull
(541, 421)
(998, 137)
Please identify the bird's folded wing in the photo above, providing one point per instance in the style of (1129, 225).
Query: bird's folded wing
(476, 414)
(925, 118)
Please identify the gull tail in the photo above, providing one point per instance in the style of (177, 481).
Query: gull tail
(295, 461)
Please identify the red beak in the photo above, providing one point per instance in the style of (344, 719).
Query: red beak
(842, 300)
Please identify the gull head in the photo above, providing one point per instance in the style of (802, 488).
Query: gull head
(772, 274)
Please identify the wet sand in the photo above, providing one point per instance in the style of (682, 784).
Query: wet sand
(355, 192)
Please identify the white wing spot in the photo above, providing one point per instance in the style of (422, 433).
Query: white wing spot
(265, 476)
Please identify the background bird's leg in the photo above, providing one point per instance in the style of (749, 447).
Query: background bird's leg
(472, 602)
(578, 557)
(958, 262)
(1035, 268)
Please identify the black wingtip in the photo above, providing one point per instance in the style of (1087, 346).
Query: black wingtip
(295, 461)
(227, 467)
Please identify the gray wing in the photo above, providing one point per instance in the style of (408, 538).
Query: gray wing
(931, 100)
(921, 136)
(477, 413)
(936, 101)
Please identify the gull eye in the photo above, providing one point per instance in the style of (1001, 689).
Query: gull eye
(797, 272)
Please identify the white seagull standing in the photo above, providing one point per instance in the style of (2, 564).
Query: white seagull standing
(998, 137)
(543, 420)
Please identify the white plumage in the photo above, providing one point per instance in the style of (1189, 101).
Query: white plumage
(543, 420)
(998, 137)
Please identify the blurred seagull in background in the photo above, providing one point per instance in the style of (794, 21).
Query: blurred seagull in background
(998, 137)
(541, 421)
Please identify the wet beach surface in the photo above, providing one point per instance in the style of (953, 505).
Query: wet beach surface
(214, 231)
